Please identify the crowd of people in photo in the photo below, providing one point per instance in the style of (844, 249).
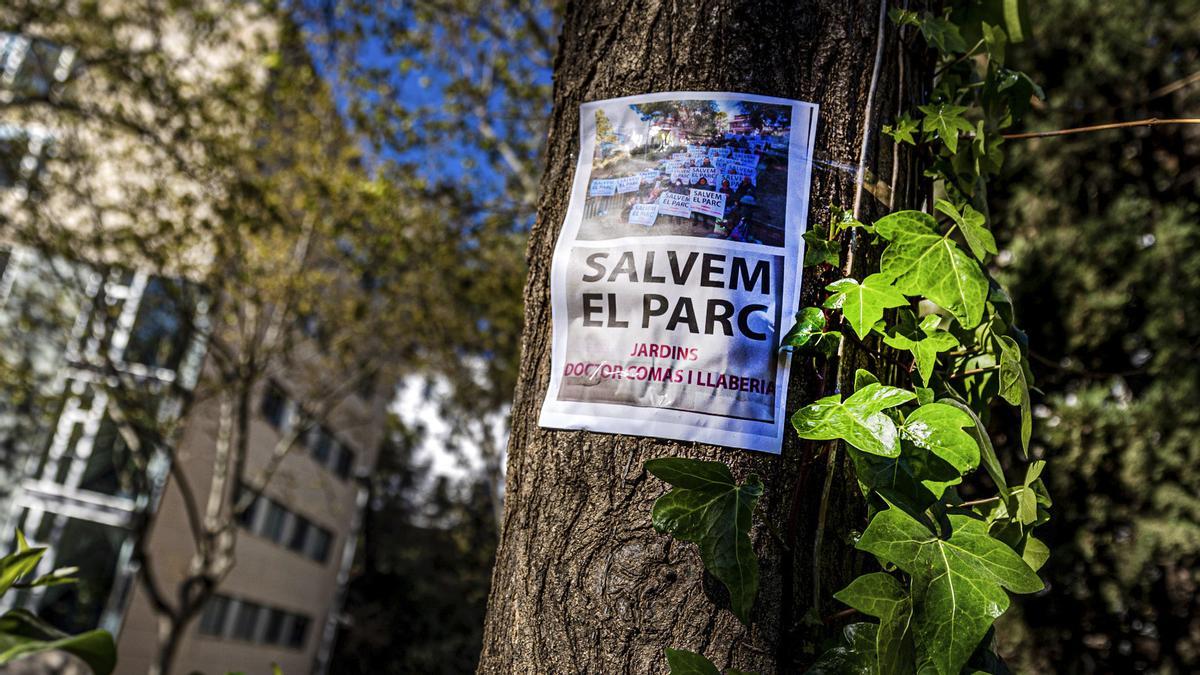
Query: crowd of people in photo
(673, 193)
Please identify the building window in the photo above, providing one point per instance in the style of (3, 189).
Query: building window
(160, 334)
(17, 160)
(212, 622)
(273, 524)
(345, 463)
(29, 68)
(319, 544)
(110, 468)
(93, 548)
(287, 528)
(245, 624)
(323, 445)
(273, 635)
(240, 619)
(274, 405)
(300, 529)
(296, 633)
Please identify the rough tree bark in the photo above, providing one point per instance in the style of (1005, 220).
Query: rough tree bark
(583, 583)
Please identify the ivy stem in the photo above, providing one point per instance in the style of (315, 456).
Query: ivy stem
(972, 371)
(977, 502)
(838, 616)
(960, 59)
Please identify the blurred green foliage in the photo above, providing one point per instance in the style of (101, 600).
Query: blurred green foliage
(1103, 234)
(419, 585)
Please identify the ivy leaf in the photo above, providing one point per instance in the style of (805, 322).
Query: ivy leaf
(859, 420)
(683, 662)
(863, 377)
(972, 225)
(863, 304)
(841, 220)
(820, 251)
(945, 121)
(1035, 553)
(854, 656)
(904, 17)
(810, 323)
(988, 457)
(881, 596)
(903, 130)
(938, 428)
(913, 481)
(925, 263)
(900, 223)
(957, 583)
(1014, 386)
(23, 634)
(996, 40)
(709, 509)
(942, 34)
(926, 347)
(19, 563)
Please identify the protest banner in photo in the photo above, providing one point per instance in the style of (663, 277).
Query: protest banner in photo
(675, 204)
(735, 179)
(743, 169)
(660, 329)
(679, 156)
(708, 173)
(708, 202)
(643, 214)
(649, 175)
(746, 158)
(629, 184)
(603, 187)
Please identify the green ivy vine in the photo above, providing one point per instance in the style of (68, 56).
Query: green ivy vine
(946, 351)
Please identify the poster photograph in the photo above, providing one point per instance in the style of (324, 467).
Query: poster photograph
(678, 267)
(738, 148)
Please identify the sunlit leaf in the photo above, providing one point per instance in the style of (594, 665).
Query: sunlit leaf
(862, 304)
(973, 226)
(925, 263)
(859, 420)
(938, 427)
(1014, 385)
(957, 583)
(23, 634)
(925, 344)
(946, 122)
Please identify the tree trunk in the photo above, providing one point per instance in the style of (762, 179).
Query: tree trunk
(583, 583)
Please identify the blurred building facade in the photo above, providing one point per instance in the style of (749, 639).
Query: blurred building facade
(74, 483)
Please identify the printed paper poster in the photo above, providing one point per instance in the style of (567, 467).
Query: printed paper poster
(669, 298)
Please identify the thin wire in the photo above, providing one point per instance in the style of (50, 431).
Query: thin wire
(1153, 121)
